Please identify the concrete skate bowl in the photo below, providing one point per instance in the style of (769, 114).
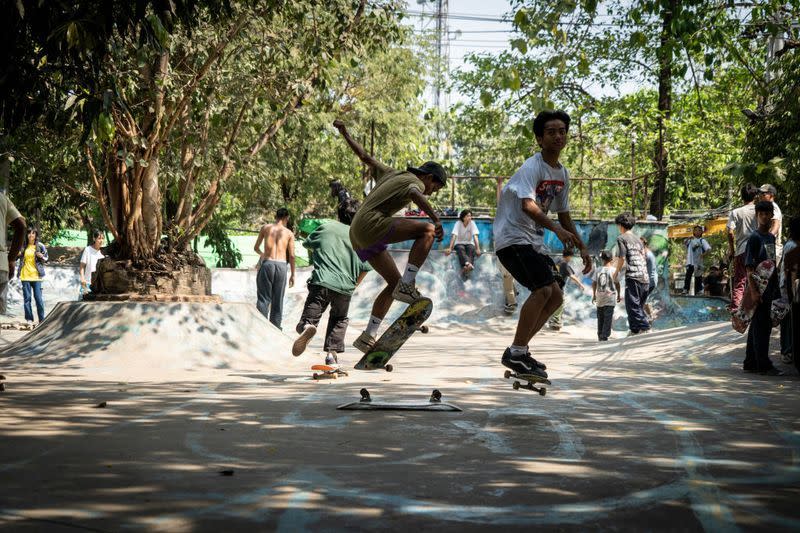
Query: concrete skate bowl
(150, 339)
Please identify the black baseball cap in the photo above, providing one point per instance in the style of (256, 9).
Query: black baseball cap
(430, 167)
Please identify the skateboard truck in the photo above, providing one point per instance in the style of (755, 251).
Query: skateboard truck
(530, 378)
(434, 403)
(365, 397)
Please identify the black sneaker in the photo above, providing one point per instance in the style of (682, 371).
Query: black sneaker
(534, 362)
(521, 364)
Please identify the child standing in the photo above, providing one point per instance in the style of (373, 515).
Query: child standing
(696, 249)
(606, 294)
(631, 254)
(760, 247)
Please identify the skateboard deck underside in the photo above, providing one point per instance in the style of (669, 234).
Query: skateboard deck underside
(396, 335)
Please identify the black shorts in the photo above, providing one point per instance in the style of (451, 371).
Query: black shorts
(531, 269)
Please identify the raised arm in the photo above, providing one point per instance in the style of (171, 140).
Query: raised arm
(357, 149)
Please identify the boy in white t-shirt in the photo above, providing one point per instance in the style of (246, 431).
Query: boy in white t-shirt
(541, 185)
(464, 239)
(741, 223)
(605, 294)
(91, 255)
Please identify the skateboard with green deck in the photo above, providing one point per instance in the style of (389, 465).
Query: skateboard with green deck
(396, 335)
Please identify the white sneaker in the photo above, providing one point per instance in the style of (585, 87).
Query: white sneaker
(302, 341)
(364, 342)
(406, 292)
(332, 360)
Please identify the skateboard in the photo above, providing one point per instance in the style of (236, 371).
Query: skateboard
(366, 403)
(531, 379)
(326, 371)
(396, 335)
(740, 319)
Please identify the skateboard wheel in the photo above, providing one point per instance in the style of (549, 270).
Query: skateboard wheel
(516, 385)
(316, 376)
(424, 329)
(335, 375)
(436, 396)
(507, 374)
(542, 391)
(389, 368)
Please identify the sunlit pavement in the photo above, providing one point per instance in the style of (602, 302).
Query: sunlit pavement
(660, 431)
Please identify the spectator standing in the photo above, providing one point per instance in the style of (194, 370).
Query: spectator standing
(768, 193)
(568, 274)
(696, 249)
(631, 255)
(787, 336)
(8, 255)
(91, 255)
(464, 239)
(760, 247)
(606, 294)
(31, 272)
(741, 223)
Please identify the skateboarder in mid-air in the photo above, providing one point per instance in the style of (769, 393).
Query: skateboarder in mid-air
(374, 228)
(539, 186)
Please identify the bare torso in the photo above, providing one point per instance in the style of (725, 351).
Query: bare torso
(276, 239)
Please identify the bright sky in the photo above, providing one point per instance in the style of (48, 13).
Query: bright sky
(481, 30)
(478, 22)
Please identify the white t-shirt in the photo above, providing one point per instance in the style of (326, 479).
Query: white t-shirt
(742, 221)
(605, 290)
(536, 180)
(694, 249)
(464, 235)
(777, 215)
(90, 257)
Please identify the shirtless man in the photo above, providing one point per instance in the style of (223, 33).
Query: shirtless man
(278, 243)
(374, 228)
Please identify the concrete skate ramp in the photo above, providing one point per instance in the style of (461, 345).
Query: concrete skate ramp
(130, 339)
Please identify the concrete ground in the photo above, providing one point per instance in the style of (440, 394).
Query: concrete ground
(655, 432)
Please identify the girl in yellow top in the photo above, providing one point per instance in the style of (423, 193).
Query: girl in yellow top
(31, 271)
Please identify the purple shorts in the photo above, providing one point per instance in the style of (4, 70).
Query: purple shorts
(365, 254)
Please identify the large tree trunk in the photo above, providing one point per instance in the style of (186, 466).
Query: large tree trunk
(658, 198)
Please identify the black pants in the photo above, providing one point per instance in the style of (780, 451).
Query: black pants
(465, 253)
(605, 317)
(756, 356)
(698, 281)
(635, 296)
(317, 301)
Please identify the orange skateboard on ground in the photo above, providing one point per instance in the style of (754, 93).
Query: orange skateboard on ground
(396, 335)
(327, 371)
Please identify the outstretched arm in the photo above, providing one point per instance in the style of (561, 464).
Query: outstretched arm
(357, 149)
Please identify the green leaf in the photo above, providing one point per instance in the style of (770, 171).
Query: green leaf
(70, 101)
(521, 45)
(486, 99)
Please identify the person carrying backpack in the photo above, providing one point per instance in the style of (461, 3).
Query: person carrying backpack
(606, 294)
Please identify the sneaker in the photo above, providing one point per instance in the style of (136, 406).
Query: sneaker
(772, 372)
(786, 358)
(365, 342)
(302, 341)
(332, 360)
(534, 362)
(555, 328)
(522, 364)
(406, 292)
